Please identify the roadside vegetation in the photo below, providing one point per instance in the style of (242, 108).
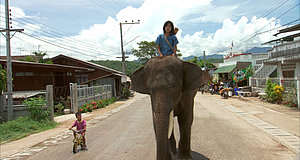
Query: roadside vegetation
(89, 107)
(23, 127)
(38, 120)
(286, 95)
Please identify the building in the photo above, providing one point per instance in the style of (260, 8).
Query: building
(285, 54)
(96, 75)
(234, 63)
(30, 77)
(33, 77)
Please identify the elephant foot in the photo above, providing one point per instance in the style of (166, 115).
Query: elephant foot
(184, 157)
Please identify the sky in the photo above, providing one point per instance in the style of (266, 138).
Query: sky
(90, 29)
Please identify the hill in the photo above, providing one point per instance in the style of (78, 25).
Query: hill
(213, 56)
(259, 50)
(117, 65)
(131, 66)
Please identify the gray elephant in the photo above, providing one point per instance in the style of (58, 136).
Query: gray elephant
(172, 85)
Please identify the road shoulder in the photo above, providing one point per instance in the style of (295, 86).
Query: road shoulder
(22, 145)
(280, 122)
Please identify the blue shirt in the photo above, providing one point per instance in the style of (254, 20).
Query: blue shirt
(164, 47)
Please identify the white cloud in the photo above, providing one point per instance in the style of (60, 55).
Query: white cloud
(152, 15)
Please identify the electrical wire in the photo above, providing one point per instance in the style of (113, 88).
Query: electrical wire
(64, 42)
(266, 14)
(254, 34)
(58, 34)
(103, 8)
(57, 45)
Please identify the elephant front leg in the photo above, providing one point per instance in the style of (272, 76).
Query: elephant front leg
(185, 141)
(185, 120)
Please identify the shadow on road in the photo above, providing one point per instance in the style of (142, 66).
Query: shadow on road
(195, 156)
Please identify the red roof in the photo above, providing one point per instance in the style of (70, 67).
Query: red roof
(235, 55)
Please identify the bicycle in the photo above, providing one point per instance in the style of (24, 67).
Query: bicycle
(77, 141)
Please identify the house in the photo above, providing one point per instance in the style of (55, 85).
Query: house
(285, 54)
(235, 65)
(33, 77)
(97, 74)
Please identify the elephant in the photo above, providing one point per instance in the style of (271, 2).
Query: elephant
(172, 85)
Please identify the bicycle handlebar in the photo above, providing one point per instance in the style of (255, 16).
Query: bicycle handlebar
(77, 131)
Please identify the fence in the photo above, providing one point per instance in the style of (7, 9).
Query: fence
(260, 83)
(21, 110)
(82, 94)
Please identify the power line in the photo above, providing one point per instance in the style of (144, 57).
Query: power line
(57, 45)
(254, 34)
(66, 43)
(57, 33)
(102, 6)
(266, 14)
(278, 27)
(131, 40)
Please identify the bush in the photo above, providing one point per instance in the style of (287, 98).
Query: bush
(291, 95)
(3, 76)
(125, 93)
(35, 107)
(278, 92)
(89, 107)
(59, 108)
(270, 94)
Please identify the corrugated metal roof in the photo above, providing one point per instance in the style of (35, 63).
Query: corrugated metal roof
(225, 69)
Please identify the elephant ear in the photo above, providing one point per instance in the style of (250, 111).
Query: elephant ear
(138, 81)
(193, 76)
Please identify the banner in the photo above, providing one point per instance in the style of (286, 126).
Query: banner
(242, 74)
(215, 78)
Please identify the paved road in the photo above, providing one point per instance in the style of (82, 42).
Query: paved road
(217, 134)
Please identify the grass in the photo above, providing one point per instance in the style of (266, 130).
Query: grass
(22, 127)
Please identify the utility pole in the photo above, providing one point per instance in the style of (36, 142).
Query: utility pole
(8, 61)
(122, 50)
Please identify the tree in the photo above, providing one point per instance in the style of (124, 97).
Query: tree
(37, 57)
(41, 56)
(200, 62)
(147, 50)
(3, 76)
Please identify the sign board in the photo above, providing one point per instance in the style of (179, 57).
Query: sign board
(124, 79)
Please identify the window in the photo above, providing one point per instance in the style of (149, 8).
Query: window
(21, 74)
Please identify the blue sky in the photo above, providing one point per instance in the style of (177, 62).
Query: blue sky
(209, 25)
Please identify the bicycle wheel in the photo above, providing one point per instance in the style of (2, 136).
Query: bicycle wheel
(75, 147)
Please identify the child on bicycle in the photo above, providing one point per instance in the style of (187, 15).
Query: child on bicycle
(80, 125)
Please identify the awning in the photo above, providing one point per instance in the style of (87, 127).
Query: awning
(225, 69)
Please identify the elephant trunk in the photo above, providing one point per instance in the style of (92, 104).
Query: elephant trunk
(163, 126)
